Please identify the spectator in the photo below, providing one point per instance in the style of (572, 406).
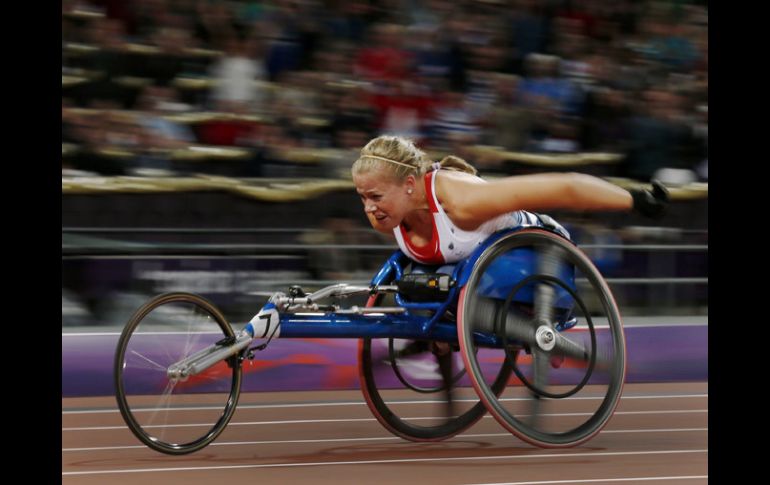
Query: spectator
(561, 136)
(543, 81)
(352, 112)
(403, 108)
(212, 25)
(383, 58)
(672, 47)
(481, 95)
(529, 27)
(452, 121)
(348, 20)
(509, 122)
(604, 128)
(155, 103)
(234, 75)
(432, 57)
(657, 135)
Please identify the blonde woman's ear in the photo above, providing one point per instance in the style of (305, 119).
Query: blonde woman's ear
(410, 182)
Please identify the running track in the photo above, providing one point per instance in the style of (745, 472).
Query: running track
(659, 434)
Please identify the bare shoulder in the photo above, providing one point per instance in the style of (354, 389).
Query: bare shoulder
(452, 191)
(450, 184)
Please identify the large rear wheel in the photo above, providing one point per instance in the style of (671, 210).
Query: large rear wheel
(563, 335)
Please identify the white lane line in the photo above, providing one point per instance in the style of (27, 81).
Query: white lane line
(383, 438)
(311, 421)
(362, 403)
(375, 462)
(240, 423)
(599, 480)
(659, 430)
(630, 413)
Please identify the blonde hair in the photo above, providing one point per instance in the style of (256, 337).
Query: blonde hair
(401, 157)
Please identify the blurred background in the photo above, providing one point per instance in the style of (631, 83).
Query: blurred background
(206, 145)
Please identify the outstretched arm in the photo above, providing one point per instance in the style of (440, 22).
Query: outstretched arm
(471, 201)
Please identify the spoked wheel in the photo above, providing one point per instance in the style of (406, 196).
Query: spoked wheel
(403, 382)
(557, 324)
(175, 415)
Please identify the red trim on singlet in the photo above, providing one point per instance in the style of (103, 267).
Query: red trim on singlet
(431, 252)
(429, 193)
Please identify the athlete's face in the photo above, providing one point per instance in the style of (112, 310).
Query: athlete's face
(386, 200)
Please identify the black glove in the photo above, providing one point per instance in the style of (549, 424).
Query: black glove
(651, 203)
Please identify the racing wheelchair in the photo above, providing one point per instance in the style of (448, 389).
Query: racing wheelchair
(526, 322)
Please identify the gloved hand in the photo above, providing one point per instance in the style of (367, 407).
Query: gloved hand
(653, 203)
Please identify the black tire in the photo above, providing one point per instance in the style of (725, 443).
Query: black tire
(164, 413)
(402, 410)
(542, 412)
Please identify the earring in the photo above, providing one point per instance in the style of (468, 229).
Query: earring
(409, 191)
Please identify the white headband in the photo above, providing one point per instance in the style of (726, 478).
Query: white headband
(389, 160)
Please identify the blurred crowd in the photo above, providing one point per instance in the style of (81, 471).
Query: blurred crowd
(277, 76)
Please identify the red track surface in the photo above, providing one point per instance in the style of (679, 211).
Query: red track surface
(658, 434)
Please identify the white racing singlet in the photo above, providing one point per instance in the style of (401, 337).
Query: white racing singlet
(449, 243)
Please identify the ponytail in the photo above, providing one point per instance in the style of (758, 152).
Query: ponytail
(452, 162)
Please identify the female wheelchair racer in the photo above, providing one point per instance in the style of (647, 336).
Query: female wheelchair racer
(517, 299)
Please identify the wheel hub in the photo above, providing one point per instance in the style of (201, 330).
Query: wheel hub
(545, 338)
(177, 374)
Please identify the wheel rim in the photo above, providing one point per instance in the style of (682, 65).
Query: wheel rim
(174, 415)
(595, 391)
(413, 414)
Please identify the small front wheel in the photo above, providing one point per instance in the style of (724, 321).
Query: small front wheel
(170, 414)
